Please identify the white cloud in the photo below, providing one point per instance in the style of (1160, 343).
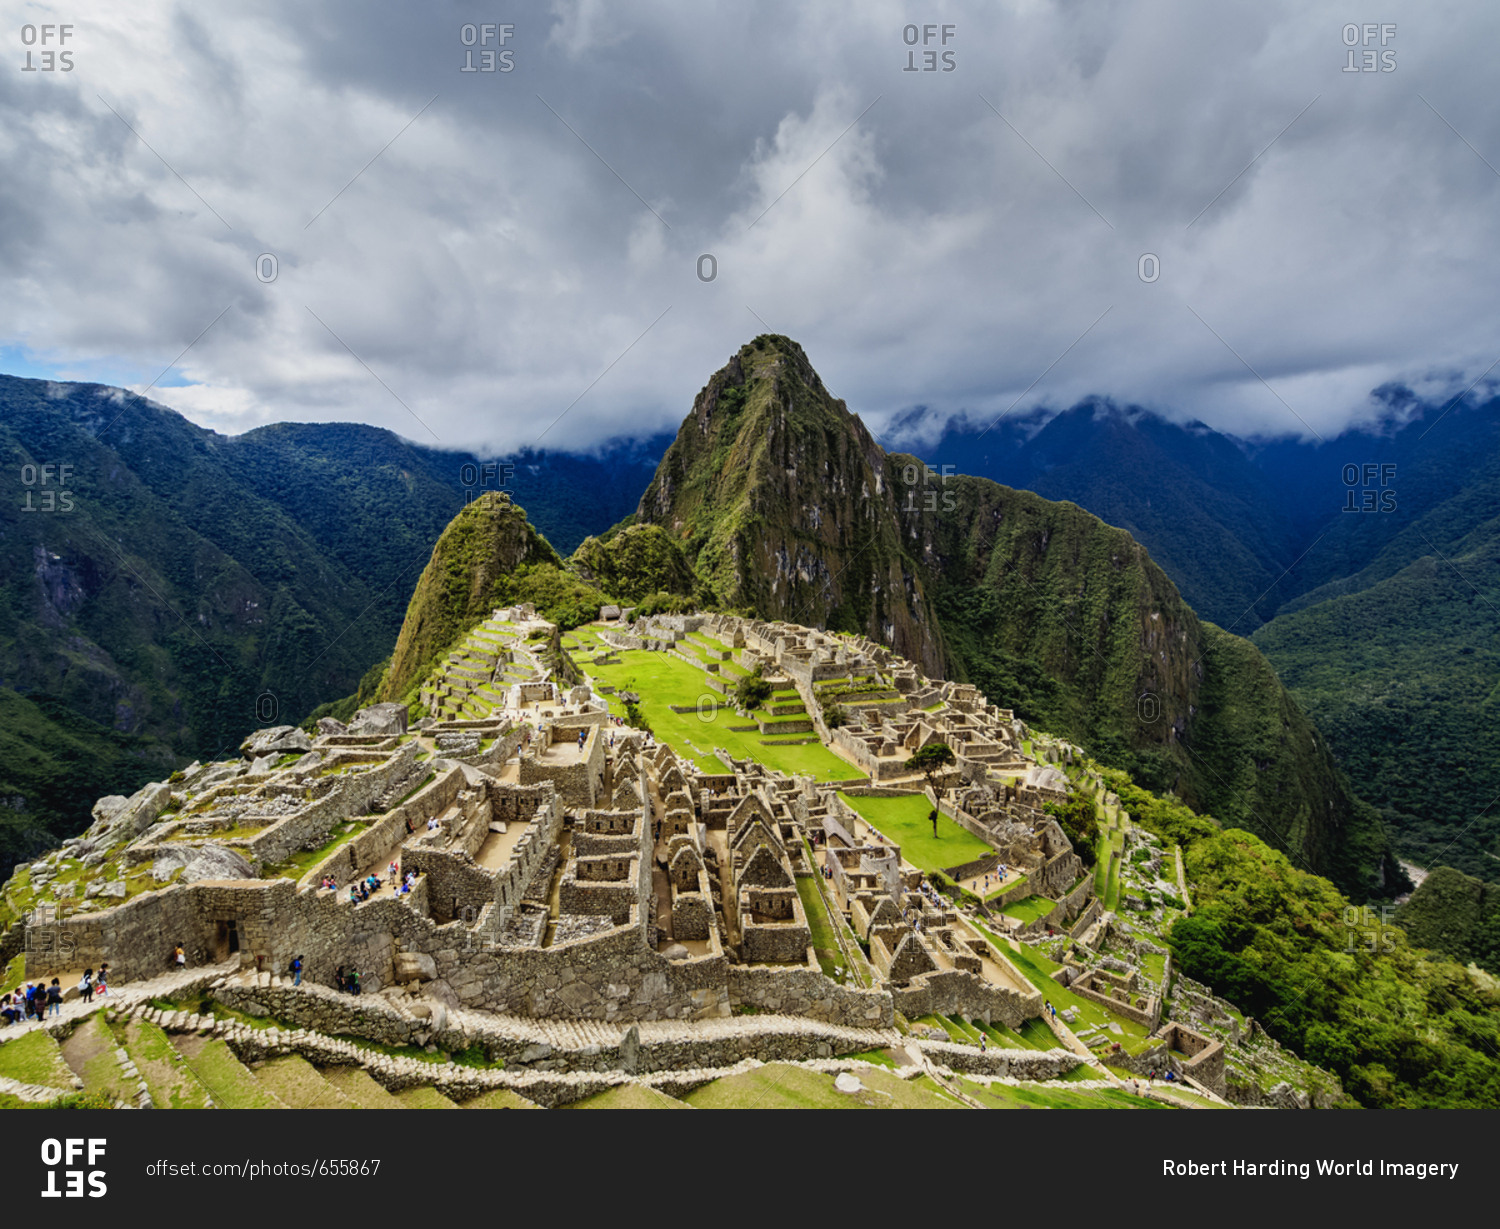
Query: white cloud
(494, 268)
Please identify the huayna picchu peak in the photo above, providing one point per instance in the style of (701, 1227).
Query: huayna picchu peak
(787, 506)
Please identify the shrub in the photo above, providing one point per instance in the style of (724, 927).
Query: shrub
(752, 691)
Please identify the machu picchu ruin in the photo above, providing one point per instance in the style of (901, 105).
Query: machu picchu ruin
(582, 864)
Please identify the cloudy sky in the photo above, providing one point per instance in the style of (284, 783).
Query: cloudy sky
(498, 258)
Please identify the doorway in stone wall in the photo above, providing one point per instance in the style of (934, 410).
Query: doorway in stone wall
(227, 941)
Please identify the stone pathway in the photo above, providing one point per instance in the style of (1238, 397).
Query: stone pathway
(127, 995)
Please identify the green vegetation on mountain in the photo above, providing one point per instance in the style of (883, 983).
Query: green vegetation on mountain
(785, 504)
(55, 764)
(1374, 555)
(489, 555)
(1403, 676)
(1334, 981)
(772, 488)
(1455, 914)
(634, 563)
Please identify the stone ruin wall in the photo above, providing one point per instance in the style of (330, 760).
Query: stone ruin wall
(953, 993)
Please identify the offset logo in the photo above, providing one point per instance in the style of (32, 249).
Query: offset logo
(51, 60)
(41, 488)
(68, 1153)
(482, 47)
(1362, 494)
(930, 59)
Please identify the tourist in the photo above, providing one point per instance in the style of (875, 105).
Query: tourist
(395, 869)
(8, 1010)
(101, 982)
(340, 980)
(54, 998)
(354, 983)
(296, 968)
(983, 1044)
(180, 957)
(31, 1008)
(353, 894)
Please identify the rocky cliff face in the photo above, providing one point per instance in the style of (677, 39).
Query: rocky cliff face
(777, 495)
(786, 506)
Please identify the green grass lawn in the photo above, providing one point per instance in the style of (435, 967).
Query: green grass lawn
(1024, 1097)
(15, 971)
(629, 1097)
(904, 821)
(34, 1058)
(1029, 908)
(823, 940)
(662, 680)
(1032, 1035)
(499, 1099)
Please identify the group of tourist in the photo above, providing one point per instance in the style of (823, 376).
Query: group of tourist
(365, 888)
(33, 1003)
(36, 1002)
(348, 983)
(996, 877)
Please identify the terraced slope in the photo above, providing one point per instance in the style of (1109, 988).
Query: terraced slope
(300, 1085)
(232, 1084)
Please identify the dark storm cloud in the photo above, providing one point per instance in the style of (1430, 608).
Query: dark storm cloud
(486, 252)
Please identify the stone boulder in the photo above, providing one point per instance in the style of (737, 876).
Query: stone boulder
(140, 810)
(380, 719)
(217, 773)
(415, 966)
(108, 807)
(276, 740)
(202, 862)
(331, 725)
